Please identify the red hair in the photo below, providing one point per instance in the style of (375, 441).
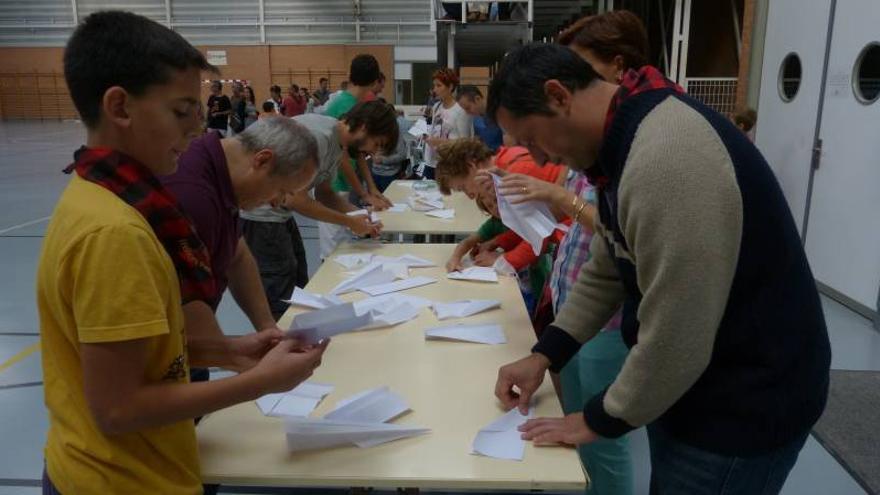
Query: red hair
(446, 76)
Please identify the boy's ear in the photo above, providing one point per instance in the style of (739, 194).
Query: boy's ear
(116, 106)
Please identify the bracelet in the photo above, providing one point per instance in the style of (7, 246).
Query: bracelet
(574, 201)
(577, 215)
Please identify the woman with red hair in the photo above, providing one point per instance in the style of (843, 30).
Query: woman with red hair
(449, 121)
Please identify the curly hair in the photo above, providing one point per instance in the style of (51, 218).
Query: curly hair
(455, 159)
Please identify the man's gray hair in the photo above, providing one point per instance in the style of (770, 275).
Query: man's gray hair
(292, 144)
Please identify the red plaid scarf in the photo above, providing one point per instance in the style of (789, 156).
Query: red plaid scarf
(137, 186)
(634, 82)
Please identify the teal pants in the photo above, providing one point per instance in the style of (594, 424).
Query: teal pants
(589, 372)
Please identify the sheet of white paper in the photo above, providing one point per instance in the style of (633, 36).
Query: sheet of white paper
(394, 316)
(407, 283)
(424, 204)
(349, 261)
(317, 325)
(352, 398)
(294, 405)
(268, 402)
(302, 297)
(419, 128)
(501, 439)
(399, 208)
(377, 406)
(300, 401)
(358, 213)
(314, 390)
(308, 433)
(372, 275)
(444, 214)
(380, 305)
(481, 334)
(462, 309)
(531, 220)
(475, 273)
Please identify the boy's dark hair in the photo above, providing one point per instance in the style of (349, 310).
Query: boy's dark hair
(518, 86)
(114, 48)
(218, 84)
(275, 89)
(323, 79)
(380, 121)
(746, 119)
(268, 107)
(364, 70)
(468, 91)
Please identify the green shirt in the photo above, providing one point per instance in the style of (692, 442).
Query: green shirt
(490, 229)
(336, 108)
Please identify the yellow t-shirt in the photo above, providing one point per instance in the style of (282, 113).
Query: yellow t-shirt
(105, 277)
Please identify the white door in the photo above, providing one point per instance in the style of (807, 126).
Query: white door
(796, 32)
(843, 239)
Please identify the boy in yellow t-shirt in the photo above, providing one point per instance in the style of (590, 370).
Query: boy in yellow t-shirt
(118, 261)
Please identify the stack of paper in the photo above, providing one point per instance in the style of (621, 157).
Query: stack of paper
(300, 401)
(315, 326)
(462, 309)
(475, 273)
(531, 220)
(359, 420)
(502, 439)
(444, 214)
(481, 334)
(302, 297)
(397, 286)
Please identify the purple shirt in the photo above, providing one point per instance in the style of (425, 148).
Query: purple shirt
(204, 190)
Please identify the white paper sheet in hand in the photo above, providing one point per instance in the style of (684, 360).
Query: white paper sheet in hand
(501, 439)
(374, 217)
(419, 128)
(475, 273)
(373, 274)
(302, 297)
(462, 309)
(317, 325)
(446, 214)
(531, 220)
(407, 283)
(311, 433)
(481, 334)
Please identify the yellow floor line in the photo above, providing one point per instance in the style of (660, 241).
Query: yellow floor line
(27, 351)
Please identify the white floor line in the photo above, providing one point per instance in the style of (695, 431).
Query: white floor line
(21, 225)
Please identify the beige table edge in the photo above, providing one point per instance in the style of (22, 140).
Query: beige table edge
(231, 458)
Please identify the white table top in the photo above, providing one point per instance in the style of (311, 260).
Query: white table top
(449, 386)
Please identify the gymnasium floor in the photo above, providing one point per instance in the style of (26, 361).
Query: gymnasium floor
(32, 155)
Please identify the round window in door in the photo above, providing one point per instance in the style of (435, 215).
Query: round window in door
(789, 77)
(866, 74)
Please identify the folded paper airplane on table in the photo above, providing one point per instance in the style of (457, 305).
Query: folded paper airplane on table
(446, 214)
(475, 273)
(397, 286)
(481, 334)
(501, 438)
(465, 308)
(302, 297)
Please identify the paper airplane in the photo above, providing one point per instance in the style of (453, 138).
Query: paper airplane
(531, 220)
(502, 439)
(302, 297)
(475, 273)
(462, 309)
(320, 324)
(481, 334)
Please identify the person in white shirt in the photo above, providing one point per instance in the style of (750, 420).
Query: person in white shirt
(448, 120)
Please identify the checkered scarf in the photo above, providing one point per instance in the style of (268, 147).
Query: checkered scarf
(137, 186)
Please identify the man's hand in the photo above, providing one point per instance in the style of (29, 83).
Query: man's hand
(526, 375)
(568, 430)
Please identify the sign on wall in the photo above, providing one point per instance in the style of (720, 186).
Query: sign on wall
(217, 57)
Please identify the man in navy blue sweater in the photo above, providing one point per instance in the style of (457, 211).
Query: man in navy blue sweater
(729, 354)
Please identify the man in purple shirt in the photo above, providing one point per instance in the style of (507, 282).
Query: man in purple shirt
(216, 176)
